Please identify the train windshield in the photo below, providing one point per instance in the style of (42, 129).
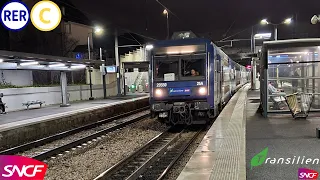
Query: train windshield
(183, 67)
(165, 67)
(193, 66)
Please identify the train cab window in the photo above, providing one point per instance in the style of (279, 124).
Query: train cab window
(193, 68)
(167, 66)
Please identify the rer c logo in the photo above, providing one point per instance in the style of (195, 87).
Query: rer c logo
(304, 173)
(45, 15)
(19, 167)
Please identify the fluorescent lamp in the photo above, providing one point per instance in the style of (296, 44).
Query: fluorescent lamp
(57, 65)
(25, 60)
(1, 60)
(78, 67)
(29, 63)
(262, 36)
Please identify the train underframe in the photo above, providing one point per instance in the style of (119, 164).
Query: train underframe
(195, 112)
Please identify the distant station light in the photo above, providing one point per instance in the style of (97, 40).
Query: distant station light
(287, 21)
(262, 36)
(149, 47)
(79, 56)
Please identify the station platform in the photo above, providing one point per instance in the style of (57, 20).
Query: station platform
(242, 144)
(47, 111)
(29, 125)
(221, 153)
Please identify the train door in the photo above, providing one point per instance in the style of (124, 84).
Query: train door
(217, 79)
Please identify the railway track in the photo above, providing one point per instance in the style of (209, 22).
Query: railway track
(155, 159)
(112, 123)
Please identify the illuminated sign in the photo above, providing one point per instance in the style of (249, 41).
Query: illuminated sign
(111, 69)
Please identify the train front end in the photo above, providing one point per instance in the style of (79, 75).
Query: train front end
(180, 85)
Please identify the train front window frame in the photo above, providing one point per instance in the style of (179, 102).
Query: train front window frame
(161, 60)
(197, 62)
(179, 71)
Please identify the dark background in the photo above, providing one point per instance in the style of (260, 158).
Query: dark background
(215, 19)
(207, 18)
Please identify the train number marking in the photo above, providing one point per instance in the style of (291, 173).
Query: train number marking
(199, 83)
(162, 85)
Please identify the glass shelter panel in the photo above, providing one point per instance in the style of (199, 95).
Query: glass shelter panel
(293, 70)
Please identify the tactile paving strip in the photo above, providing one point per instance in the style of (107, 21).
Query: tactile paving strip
(230, 160)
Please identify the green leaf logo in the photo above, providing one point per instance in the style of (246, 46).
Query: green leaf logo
(259, 159)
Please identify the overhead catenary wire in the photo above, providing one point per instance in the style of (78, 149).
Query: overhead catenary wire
(229, 28)
(236, 33)
(175, 15)
(114, 24)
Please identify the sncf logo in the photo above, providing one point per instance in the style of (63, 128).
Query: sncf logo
(19, 167)
(304, 173)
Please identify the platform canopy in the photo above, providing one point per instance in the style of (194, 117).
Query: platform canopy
(10, 60)
(138, 64)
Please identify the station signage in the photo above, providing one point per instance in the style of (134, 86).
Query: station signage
(108, 69)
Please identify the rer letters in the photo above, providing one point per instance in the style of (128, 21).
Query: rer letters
(15, 15)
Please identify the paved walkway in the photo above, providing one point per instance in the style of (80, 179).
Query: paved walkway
(284, 137)
(221, 154)
(56, 109)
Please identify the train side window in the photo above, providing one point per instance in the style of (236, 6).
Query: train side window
(218, 63)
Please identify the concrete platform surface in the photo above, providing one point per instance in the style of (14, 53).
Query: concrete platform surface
(221, 154)
(285, 138)
(47, 112)
(30, 125)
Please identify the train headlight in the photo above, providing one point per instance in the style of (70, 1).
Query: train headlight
(158, 92)
(202, 91)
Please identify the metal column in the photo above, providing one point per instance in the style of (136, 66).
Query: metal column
(168, 28)
(275, 32)
(104, 76)
(64, 91)
(117, 61)
(252, 39)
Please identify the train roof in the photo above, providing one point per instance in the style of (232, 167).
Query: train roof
(179, 42)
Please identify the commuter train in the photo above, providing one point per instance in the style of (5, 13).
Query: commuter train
(191, 79)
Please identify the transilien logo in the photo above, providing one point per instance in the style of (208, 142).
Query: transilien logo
(259, 159)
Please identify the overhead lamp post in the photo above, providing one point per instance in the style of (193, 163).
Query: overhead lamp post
(98, 31)
(165, 12)
(286, 21)
(259, 36)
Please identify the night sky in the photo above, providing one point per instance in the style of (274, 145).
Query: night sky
(210, 17)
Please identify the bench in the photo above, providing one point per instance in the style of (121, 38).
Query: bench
(278, 99)
(29, 103)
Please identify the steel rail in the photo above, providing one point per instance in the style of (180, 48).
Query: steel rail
(78, 142)
(46, 140)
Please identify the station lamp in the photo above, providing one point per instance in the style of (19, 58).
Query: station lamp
(149, 47)
(98, 30)
(286, 21)
(315, 19)
(165, 12)
(264, 21)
